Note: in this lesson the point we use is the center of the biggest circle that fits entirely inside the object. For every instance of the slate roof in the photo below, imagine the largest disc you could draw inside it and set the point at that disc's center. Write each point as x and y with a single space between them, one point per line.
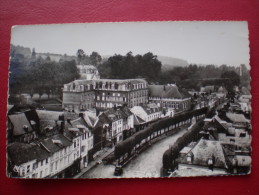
204 150
52 147
240 118
48 115
119 81
163 91
122 81
20 153
118 113
18 121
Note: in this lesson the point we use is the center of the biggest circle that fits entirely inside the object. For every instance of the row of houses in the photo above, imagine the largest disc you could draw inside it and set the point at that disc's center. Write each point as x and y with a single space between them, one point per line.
45 144
225 147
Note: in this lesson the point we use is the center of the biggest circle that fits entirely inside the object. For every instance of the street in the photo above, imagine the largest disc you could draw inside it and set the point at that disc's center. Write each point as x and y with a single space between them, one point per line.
147 164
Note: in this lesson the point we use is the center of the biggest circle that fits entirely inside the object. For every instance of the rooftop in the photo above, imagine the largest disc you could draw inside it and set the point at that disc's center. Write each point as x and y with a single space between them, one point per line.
165 91
239 118
19 121
205 150
20 153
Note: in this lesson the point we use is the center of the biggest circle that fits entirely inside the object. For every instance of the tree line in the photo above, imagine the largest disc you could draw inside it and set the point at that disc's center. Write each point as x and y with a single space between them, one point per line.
40 75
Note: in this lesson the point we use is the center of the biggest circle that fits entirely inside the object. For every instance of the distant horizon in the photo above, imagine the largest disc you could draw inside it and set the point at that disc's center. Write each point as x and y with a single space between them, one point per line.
196 42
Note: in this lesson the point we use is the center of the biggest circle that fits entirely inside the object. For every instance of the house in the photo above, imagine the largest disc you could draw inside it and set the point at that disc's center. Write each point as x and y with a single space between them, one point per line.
80 134
114 125
169 96
147 113
88 72
20 128
205 158
227 134
60 151
238 120
66 143
27 160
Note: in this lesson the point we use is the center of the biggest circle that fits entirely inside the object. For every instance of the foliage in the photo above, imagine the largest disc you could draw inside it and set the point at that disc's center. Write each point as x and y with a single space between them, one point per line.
232 79
172 153
129 66
127 145
40 75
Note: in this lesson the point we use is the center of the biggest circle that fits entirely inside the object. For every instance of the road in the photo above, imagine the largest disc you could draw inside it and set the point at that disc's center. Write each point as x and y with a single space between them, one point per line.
147 164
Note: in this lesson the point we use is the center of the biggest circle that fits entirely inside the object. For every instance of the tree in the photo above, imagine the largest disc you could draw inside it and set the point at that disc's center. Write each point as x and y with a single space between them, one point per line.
231 79
80 55
95 58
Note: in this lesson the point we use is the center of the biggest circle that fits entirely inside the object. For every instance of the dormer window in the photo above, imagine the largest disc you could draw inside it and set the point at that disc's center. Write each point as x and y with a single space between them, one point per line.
210 161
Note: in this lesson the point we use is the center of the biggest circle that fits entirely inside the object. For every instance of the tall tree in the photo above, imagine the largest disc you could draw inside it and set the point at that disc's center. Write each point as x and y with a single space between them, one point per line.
95 58
80 55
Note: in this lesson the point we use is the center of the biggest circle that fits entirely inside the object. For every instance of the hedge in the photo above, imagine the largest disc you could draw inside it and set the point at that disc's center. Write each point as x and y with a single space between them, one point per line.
127 145
181 142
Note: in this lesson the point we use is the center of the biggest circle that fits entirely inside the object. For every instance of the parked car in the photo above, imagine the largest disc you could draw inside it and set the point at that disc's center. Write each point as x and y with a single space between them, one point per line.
118 170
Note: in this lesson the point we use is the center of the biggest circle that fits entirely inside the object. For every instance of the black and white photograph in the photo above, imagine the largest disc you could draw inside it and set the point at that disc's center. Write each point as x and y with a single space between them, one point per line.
129 100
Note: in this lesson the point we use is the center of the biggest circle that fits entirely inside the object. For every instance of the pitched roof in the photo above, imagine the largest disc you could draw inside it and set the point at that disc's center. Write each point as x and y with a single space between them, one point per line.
163 91
138 120
204 150
18 121
50 145
236 117
117 113
48 115
20 153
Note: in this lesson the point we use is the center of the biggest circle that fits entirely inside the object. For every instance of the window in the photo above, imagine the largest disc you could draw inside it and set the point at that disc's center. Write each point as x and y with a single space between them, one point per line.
28 168
74 144
35 165
51 167
41 163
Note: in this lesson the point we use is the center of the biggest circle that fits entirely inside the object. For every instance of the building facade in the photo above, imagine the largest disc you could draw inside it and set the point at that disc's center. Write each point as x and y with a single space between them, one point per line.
88 72
104 93
169 97
78 95
110 93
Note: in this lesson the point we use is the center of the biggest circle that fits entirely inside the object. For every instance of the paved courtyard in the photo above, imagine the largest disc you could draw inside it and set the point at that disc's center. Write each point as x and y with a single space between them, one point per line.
147 164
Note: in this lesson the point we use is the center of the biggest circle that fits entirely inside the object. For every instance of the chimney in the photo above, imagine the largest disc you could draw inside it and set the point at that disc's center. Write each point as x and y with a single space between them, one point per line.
97 112
62 127
81 115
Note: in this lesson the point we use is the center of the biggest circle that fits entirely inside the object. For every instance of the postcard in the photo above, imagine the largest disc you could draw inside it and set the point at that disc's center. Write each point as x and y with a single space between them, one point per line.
129 100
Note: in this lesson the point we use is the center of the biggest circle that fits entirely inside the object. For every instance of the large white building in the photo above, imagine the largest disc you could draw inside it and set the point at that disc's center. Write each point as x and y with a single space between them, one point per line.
88 72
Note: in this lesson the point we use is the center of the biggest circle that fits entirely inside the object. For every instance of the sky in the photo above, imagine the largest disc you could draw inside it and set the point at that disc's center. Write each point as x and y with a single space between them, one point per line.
197 42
